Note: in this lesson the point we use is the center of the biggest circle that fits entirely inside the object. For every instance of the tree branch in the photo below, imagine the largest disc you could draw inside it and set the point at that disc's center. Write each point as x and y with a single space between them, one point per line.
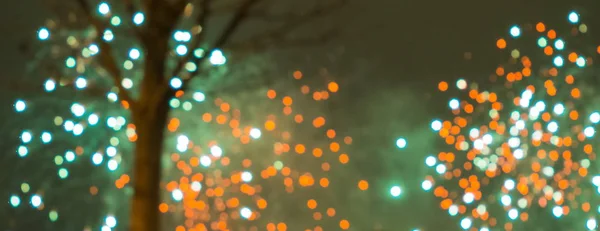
107 59
195 44
231 27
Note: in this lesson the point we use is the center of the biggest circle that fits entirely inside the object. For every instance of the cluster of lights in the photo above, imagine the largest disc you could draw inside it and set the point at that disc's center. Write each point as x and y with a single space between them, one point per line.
536 141
201 167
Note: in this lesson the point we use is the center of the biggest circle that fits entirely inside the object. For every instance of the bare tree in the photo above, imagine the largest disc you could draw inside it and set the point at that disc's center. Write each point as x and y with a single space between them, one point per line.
175 43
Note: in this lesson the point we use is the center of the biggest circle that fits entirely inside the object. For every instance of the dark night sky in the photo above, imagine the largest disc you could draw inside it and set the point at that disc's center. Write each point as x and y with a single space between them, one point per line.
394 43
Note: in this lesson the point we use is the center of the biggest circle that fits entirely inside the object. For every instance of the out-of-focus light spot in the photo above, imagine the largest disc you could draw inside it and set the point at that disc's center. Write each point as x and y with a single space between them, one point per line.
453 210
70 62
80 83
187 106
94 49
557 211
542 42
440 168
111 96
93 119
199 96
278 165
115 21
466 223
110 221
53 216
552 127
77 109
63 173
513 214
20 106
26 137
182 143
395 191
426 185
46 137
49 85
515 31
138 18
558 61
573 17
505 200
177 195
190 66
182 36
255 133
591 224
134 54
589 132
77 129
127 83
112 165
97 158
580 62
217 58
196 186
401 143
174 103
108 35
25 187
205 161
22 151
559 109
509 184
36 201
43 34
70 156
103 8
595 117
583 28
468 198
436 125
216 151
59 160
111 151
430 161
181 50
246 176
454 104
461 84
246 213
176 83
15 201
559 44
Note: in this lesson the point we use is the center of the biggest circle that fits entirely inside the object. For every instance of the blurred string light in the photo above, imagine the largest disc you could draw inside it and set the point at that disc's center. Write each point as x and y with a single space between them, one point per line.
529 132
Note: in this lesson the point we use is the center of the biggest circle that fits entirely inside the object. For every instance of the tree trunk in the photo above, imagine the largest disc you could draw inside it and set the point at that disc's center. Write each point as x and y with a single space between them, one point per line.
150 128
